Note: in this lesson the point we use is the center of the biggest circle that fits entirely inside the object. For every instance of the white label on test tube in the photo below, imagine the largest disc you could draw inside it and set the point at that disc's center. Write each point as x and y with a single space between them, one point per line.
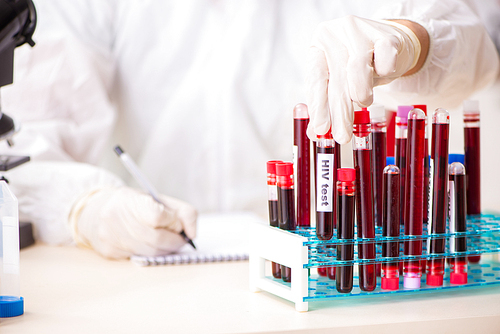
452 203
324 189
431 197
272 192
295 170
10 245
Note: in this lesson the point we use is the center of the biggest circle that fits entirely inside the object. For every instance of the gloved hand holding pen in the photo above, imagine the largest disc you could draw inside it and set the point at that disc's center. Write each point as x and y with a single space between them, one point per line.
348 57
119 222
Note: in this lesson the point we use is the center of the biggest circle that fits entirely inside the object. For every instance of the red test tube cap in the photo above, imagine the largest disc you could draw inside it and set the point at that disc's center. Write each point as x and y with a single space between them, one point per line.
434 280
284 168
346 174
362 117
271 166
327 135
458 278
422 107
390 283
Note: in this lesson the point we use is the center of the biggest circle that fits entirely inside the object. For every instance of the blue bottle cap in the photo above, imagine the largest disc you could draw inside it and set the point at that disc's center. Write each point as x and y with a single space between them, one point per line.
11 306
455 158
389 161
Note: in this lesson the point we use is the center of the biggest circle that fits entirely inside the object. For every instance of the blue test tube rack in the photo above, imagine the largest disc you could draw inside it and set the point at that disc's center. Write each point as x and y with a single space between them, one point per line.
302 251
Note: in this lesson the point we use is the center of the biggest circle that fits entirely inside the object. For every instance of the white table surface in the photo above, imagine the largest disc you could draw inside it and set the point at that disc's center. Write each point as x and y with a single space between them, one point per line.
73 290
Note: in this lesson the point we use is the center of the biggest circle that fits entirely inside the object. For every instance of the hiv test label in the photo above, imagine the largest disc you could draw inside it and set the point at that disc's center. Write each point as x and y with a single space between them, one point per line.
324 182
272 192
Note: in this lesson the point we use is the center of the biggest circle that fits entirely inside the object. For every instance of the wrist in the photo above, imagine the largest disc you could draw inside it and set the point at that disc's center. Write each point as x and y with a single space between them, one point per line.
422 36
74 217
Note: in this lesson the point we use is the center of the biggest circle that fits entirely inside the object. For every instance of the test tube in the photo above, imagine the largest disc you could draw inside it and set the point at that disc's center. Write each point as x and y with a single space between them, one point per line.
327 162
454 157
345 230
322 271
423 107
301 155
390 227
438 195
414 196
286 207
458 222
379 154
401 134
472 150
427 170
362 148
273 205
11 302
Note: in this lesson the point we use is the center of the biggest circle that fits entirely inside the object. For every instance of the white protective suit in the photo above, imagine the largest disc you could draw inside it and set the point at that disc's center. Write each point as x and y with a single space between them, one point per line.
200 93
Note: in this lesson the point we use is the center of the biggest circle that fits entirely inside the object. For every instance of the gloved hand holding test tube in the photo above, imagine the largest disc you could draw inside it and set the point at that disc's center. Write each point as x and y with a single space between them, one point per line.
373 53
144 182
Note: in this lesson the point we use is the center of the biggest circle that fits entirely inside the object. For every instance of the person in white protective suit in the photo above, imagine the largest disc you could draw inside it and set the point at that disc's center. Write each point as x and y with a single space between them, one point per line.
200 94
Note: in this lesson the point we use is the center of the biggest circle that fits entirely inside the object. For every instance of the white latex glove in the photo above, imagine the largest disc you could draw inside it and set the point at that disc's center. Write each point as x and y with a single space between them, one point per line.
348 57
119 222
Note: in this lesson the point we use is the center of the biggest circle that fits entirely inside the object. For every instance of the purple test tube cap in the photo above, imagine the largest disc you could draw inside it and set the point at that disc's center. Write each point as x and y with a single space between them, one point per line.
403 111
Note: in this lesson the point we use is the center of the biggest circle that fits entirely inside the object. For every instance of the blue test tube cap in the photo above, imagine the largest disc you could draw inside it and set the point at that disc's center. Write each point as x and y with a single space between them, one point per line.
455 158
389 161
11 306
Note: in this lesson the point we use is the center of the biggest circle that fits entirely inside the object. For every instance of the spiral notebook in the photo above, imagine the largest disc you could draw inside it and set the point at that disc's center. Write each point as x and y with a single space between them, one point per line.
220 237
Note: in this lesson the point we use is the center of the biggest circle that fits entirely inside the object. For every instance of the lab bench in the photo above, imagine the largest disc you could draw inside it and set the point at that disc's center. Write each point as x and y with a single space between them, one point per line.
73 290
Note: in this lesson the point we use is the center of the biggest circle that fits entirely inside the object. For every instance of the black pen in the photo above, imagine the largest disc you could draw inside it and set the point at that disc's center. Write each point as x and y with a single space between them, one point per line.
144 182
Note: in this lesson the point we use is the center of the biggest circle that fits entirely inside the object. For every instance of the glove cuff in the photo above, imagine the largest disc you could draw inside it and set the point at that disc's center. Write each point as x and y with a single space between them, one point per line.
413 38
74 217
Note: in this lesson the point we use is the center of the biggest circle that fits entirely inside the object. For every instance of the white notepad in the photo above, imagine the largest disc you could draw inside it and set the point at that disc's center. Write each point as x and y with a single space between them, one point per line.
220 237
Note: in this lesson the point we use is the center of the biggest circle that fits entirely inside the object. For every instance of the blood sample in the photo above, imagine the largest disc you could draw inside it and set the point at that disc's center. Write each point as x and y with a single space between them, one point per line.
458 222
400 152
323 271
390 227
438 195
327 162
286 207
273 205
423 107
414 196
472 160
472 156
362 148
427 170
332 271
345 230
379 154
301 154
454 157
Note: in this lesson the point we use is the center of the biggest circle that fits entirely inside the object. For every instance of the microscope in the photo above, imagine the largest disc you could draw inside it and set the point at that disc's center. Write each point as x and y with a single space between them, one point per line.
17 24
